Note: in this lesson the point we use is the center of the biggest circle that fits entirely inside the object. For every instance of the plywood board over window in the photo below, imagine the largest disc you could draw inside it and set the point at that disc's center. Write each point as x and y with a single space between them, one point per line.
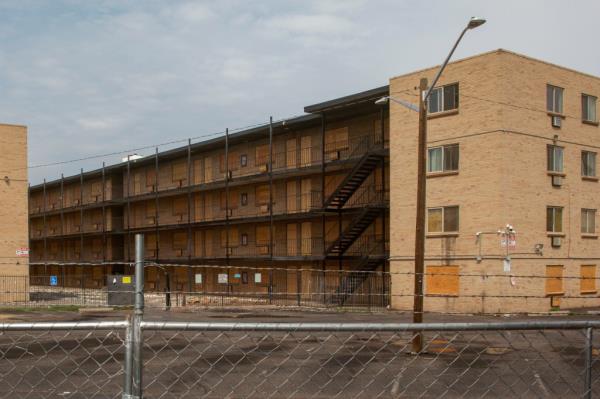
262 155
290 153
442 280
179 171
180 240
197 170
262 235
554 280
234 239
588 279
180 206
150 177
336 140
291 196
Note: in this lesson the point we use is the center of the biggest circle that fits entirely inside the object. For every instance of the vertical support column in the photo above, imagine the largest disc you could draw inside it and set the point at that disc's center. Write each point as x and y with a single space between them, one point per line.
189 221
271 189
45 231
156 205
138 314
104 215
128 209
227 205
323 121
62 226
81 218
587 392
271 210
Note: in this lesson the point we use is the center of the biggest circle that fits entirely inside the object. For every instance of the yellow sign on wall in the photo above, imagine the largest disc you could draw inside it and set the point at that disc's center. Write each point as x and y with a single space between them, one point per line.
126 280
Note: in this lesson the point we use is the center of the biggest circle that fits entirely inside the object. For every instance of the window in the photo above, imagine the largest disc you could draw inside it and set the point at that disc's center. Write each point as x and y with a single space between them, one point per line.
443 158
554 219
555 158
588 221
442 220
554 280
262 155
179 241
262 195
442 280
444 98
243 160
554 99
588 279
244 240
244 199
588 108
588 164
179 170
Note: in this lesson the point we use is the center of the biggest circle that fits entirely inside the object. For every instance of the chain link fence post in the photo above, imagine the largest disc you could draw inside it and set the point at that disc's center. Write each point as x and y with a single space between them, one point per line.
138 314
127 386
587 394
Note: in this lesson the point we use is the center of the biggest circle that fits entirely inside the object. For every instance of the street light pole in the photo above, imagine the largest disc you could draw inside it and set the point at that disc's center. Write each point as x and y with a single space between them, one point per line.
417 342
424 92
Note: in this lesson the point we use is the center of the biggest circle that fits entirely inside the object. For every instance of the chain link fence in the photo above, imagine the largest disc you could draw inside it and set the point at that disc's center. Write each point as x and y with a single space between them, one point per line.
299 360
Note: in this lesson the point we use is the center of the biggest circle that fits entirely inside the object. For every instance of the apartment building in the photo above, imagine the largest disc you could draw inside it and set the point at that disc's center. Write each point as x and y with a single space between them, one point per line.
511 140
307 194
13 213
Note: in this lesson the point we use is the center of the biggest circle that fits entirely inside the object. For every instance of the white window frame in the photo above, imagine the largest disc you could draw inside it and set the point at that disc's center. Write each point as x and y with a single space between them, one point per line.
592 172
588 105
590 216
562 158
554 209
556 103
442 148
443 208
440 99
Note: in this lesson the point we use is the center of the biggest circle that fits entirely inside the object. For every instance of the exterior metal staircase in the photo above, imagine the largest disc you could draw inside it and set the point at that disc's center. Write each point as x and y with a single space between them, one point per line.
352 181
352 281
353 231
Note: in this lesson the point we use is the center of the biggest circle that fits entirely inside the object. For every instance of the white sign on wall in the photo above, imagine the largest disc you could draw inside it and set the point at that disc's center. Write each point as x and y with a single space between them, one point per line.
222 278
22 252
257 278
198 278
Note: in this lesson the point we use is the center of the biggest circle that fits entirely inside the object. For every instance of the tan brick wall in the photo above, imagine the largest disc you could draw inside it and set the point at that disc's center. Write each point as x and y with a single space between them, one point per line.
502 129
14 209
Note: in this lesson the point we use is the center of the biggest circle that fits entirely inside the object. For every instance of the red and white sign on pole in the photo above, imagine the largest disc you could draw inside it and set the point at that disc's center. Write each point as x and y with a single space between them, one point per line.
508 239
22 252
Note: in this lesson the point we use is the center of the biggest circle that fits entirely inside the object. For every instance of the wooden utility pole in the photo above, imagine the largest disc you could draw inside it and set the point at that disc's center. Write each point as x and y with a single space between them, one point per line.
417 341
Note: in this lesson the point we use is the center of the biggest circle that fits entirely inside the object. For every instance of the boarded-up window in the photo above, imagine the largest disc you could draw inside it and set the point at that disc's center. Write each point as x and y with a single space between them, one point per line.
234 239
150 245
336 140
262 235
180 206
151 208
96 188
233 199
208 169
442 280
179 240
554 280
292 239
232 160
262 195
150 177
262 155
197 170
306 245
179 171
291 196
290 153
588 279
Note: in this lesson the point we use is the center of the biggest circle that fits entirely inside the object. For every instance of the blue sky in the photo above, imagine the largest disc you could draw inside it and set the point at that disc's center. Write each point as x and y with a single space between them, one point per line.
95 77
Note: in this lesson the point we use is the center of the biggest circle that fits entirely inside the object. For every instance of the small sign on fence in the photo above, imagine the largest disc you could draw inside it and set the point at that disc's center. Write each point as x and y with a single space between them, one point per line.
222 278
53 280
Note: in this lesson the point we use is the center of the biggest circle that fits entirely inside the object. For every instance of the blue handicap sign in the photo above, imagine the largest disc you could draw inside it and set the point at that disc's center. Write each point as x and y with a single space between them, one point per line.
53 280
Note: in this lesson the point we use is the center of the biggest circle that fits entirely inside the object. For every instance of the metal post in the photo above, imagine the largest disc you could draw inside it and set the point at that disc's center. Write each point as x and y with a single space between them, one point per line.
417 341
137 316
587 394
127 386
45 231
189 211
271 189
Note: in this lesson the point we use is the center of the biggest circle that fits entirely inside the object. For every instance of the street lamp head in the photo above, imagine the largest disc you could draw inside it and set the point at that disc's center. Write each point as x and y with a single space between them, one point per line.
474 22
382 101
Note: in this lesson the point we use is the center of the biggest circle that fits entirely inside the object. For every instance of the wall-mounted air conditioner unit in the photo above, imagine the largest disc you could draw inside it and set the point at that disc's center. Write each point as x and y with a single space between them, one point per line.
556 242
556 121
557 181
